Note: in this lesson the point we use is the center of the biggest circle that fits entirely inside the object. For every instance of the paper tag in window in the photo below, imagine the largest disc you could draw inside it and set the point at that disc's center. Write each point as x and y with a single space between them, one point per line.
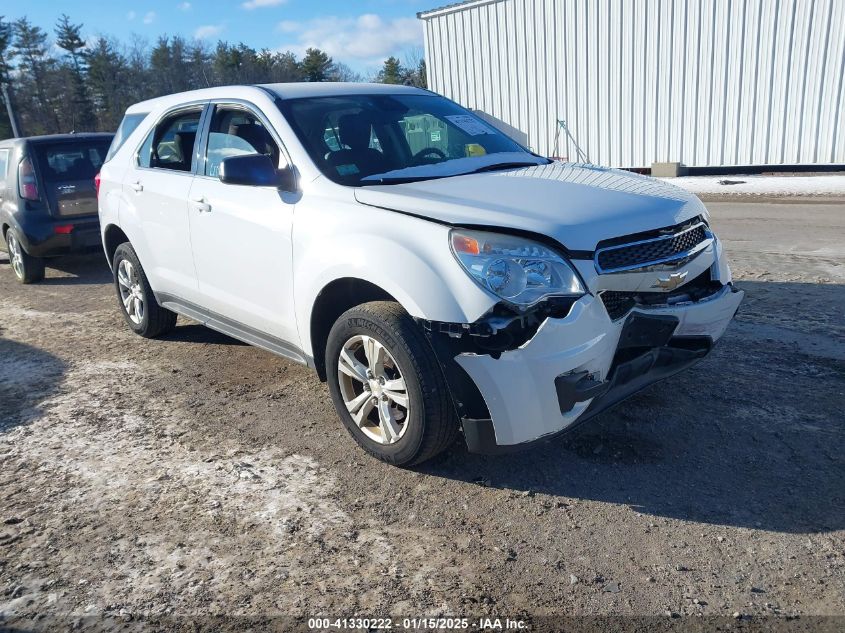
470 125
435 136
347 170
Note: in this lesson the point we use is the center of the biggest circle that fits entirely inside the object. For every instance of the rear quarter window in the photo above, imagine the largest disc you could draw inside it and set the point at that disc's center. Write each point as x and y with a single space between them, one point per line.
127 126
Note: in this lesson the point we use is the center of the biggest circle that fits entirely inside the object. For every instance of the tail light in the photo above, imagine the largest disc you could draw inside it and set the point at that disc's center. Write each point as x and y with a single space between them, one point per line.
97 183
27 184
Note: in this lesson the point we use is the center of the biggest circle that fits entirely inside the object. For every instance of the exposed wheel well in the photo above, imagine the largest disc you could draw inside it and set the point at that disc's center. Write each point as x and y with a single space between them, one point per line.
114 237
335 299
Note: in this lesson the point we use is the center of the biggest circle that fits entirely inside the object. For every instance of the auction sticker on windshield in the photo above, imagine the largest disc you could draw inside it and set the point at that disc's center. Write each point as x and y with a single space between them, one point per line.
470 125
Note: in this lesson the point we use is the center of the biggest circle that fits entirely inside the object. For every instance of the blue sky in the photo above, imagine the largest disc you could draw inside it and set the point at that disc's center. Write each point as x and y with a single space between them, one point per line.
360 33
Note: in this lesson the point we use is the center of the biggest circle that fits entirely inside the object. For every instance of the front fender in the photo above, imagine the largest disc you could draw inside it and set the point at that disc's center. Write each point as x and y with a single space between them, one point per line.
405 256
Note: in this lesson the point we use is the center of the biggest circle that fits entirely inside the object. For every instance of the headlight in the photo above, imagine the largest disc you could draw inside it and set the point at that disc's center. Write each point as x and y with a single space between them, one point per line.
518 270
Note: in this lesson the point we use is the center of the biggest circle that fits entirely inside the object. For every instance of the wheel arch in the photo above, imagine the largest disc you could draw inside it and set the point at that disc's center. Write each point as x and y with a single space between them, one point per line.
333 300
113 236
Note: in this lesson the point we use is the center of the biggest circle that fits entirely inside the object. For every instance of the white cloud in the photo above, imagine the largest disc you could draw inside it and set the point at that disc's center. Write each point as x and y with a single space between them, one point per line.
184 6
150 17
288 26
208 31
131 15
259 4
367 38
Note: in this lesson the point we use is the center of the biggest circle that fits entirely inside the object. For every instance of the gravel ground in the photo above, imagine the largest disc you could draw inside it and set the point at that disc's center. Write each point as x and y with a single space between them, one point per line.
192 477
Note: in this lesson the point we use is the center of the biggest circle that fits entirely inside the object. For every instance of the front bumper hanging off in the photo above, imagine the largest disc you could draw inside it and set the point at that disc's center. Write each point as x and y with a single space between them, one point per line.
578 366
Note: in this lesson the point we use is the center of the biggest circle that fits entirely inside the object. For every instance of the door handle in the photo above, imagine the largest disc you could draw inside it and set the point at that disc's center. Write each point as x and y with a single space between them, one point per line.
137 187
200 204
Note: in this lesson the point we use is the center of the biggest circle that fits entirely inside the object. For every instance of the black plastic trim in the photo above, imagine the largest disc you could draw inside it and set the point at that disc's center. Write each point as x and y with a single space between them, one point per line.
235 329
625 379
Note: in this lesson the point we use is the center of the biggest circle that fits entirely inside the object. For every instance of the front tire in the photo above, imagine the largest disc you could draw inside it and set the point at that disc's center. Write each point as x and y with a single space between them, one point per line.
137 302
387 385
27 269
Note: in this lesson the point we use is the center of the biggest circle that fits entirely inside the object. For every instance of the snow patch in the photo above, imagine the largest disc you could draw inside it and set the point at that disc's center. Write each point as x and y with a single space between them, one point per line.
762 185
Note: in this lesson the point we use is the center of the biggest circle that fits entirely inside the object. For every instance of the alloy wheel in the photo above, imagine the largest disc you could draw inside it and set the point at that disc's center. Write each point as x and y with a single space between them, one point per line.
131 293
373 389
15 255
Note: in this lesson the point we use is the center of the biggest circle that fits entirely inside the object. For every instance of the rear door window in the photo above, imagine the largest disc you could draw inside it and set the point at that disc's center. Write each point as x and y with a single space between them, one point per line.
170 145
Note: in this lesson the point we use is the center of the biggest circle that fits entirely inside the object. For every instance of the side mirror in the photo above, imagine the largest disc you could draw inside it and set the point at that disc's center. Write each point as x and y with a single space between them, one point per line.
256 170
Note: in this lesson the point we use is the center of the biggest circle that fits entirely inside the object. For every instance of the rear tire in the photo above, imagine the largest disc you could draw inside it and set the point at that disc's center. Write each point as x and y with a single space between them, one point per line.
378 358
27 269
138 304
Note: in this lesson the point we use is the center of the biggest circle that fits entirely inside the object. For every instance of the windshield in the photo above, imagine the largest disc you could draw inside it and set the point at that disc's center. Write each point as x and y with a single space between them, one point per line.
382 139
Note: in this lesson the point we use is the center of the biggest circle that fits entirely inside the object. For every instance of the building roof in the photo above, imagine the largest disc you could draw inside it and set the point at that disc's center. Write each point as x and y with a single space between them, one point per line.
451 8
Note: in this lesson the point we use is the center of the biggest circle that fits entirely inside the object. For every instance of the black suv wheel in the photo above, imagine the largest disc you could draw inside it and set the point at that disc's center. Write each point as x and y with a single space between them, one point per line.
27 269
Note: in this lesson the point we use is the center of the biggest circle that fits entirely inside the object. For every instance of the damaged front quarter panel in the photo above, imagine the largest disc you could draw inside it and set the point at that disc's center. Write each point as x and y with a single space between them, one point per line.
474 357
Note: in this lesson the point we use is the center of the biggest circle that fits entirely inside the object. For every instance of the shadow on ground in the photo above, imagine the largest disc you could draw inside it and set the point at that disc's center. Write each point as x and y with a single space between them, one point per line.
28 376
78 270
753 436
196 333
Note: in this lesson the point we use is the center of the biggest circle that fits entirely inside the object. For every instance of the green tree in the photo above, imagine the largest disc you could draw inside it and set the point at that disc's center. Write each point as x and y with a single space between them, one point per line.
30 47
107 75
285 68
391 72
69 39
5 70
316 65
421 75
6 34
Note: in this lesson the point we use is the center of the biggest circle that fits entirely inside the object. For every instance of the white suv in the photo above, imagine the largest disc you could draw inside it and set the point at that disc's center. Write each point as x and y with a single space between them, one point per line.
441 277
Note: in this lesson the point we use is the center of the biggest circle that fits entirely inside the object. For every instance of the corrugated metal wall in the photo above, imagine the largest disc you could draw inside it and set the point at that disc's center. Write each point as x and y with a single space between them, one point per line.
703 82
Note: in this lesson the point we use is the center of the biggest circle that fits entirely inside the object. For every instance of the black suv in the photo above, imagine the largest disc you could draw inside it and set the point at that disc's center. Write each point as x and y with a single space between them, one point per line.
48 198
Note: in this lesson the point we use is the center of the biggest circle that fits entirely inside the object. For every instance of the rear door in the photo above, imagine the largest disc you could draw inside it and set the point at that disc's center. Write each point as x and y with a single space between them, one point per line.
155 202
66 170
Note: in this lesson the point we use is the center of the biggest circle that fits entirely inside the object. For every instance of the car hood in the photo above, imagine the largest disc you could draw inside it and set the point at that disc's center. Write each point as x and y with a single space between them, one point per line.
577 205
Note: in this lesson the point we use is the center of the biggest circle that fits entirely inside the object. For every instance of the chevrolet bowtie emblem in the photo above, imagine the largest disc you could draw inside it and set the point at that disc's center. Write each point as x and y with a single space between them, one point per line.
672 281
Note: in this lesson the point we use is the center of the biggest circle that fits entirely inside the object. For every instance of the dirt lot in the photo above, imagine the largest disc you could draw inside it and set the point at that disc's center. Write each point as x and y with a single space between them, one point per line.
191 477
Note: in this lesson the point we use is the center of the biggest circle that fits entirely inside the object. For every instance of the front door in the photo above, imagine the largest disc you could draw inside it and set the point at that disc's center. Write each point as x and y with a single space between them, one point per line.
241 235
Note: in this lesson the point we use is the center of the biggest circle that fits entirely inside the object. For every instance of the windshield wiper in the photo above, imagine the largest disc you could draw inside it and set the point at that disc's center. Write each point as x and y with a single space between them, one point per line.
498 166
397 180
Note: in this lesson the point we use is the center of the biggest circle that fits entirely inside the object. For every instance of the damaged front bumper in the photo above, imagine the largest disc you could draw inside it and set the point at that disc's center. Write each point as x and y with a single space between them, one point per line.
576 366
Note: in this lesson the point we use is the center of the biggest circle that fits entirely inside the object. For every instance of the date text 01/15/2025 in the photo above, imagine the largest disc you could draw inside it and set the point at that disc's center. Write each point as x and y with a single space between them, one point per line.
418 624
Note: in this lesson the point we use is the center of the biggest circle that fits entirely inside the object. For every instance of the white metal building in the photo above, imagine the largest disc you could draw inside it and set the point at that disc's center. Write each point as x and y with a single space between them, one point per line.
701 82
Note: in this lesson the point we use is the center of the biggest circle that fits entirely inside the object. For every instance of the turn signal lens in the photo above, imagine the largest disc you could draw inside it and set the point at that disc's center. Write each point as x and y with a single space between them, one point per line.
465 244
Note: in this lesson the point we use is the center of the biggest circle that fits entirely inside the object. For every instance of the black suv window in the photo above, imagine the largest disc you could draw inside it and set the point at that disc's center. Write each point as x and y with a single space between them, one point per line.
65 162
171 143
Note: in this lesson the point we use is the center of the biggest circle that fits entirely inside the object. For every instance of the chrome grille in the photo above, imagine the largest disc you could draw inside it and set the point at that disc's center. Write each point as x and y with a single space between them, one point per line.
668 245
